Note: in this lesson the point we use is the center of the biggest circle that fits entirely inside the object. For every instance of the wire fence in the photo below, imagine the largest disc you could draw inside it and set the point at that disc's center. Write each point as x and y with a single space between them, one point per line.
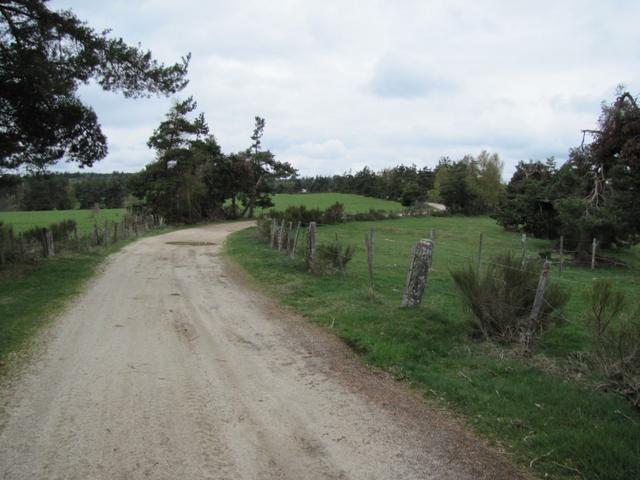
31 246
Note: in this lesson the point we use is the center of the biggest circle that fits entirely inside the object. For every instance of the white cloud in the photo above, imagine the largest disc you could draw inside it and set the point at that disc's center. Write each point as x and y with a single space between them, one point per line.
344 84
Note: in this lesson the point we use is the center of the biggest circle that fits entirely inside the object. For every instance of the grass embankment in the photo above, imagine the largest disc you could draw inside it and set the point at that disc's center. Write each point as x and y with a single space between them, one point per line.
352 203
85 219
563 428
31 295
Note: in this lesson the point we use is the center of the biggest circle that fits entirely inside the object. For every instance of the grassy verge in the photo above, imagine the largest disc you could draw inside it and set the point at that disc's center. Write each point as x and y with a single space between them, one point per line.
30 295
85 219
562 428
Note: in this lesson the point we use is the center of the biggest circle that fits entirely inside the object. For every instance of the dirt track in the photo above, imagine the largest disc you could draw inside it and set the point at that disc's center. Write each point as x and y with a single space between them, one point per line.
169 367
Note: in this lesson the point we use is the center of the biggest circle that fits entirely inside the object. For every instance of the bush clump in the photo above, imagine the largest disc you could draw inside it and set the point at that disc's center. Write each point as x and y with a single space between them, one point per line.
332 257
614 331
501 298
333 214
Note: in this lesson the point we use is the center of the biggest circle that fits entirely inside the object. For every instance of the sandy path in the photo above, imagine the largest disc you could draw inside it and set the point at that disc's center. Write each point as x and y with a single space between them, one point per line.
167 367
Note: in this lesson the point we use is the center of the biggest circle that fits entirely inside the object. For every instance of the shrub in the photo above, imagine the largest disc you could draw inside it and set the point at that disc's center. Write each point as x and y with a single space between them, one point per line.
614 331
332 257
372 214
501 297
62 231
333 214
263 228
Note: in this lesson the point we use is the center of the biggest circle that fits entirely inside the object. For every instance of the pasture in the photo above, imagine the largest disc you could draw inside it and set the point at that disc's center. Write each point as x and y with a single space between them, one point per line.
558 424
352 203
85 219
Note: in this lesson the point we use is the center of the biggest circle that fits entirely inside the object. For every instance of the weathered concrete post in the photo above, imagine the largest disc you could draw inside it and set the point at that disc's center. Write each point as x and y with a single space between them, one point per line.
311 245
417 275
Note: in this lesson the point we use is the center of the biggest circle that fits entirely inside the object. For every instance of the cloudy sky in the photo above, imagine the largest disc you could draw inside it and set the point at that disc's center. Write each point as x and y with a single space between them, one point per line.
344 84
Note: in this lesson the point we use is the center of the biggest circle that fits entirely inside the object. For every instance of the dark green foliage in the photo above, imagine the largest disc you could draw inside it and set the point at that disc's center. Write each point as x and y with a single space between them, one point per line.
527 203
300 214
178 184
500 298
455 192
63 231
333 214
614 330
191 178
47 192
44 56
332 257
594 195
407 185
372 214
263 228
105 191
470 186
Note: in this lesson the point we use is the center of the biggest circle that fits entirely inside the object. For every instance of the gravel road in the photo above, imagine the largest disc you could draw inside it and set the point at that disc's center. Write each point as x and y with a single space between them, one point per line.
169 366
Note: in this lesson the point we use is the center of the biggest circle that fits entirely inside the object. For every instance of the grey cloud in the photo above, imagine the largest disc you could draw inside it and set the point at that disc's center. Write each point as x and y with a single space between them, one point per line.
397 76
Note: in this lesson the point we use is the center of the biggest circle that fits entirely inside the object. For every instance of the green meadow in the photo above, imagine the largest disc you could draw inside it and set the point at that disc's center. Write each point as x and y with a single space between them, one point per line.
352 203
564 428
85 219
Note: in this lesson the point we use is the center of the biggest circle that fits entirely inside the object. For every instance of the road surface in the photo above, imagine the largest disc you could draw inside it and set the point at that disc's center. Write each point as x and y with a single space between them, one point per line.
169 366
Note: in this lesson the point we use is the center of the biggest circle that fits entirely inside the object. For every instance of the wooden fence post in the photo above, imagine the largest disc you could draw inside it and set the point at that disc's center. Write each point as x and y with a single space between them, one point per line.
594 245
47 243
2 245
523 240
274 231
295 241
479 259
561 253
23 250
289 239
311 245
115 232
339 255
106 233
537 304
369 242
281 233
417 275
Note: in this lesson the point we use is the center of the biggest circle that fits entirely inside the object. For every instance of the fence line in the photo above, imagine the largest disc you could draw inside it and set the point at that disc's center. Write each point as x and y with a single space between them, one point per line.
42 242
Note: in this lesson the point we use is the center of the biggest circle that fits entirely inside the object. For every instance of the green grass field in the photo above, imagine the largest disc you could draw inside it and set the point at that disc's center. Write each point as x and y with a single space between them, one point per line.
352 203
568 428
22 221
